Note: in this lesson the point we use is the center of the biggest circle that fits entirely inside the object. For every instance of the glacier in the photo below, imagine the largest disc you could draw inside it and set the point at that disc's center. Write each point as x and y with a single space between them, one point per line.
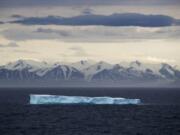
58 99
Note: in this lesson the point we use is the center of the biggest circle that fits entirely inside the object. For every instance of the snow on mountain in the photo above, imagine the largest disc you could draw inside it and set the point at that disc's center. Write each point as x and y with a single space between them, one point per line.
29 64
138 71
63 72
119 73
141 66
19 65
81 65
89 71
168 71
136 65
39 68
94 69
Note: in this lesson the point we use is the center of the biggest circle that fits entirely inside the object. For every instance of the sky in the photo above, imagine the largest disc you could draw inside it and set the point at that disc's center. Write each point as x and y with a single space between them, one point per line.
101 30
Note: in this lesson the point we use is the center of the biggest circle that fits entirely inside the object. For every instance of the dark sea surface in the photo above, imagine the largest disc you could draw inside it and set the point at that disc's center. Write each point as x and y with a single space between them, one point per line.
159 114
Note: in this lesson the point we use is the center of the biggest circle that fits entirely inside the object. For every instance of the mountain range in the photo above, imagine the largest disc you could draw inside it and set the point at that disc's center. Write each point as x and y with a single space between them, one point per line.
90 72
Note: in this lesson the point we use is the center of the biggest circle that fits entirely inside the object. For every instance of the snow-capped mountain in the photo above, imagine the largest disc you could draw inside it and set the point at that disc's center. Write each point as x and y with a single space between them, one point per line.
119 72
143 66
89 71
36 67
63 72
83 64
28 69
28 64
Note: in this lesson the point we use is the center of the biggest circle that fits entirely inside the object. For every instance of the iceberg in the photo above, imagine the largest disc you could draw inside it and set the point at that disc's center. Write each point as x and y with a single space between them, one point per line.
57 99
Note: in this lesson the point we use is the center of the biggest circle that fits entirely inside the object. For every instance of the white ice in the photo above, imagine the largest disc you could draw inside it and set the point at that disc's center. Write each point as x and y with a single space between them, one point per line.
56 99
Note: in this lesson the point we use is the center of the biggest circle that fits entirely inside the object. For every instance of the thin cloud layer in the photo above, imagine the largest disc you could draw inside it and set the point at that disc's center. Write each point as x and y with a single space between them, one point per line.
78 51
124 19
91 33
9 45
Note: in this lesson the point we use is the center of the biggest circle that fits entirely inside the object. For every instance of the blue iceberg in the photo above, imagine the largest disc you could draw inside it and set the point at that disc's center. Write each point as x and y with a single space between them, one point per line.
56 99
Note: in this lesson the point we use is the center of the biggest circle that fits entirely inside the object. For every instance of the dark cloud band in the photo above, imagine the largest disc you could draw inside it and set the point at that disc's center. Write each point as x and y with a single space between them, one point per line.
28 3
125 19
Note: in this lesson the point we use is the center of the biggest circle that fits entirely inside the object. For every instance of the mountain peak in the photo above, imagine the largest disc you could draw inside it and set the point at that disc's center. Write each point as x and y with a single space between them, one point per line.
22 64
135 63
82 64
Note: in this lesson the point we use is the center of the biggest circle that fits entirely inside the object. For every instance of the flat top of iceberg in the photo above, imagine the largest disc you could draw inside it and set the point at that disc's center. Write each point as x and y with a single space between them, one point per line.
59 99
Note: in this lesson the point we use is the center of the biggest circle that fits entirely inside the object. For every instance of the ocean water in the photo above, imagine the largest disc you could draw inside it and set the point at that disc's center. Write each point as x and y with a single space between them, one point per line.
158 115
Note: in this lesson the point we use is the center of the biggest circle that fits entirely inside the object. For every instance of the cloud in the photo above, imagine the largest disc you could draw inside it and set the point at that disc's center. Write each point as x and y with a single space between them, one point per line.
29 3
17 16
50 31
78 51
159 60
123 19
25 51
91 33
11 44
23 34
87 11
